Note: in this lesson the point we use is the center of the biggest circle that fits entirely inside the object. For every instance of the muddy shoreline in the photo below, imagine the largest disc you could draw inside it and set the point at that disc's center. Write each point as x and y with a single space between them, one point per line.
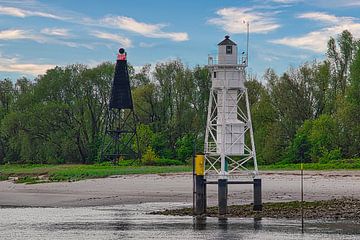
334 209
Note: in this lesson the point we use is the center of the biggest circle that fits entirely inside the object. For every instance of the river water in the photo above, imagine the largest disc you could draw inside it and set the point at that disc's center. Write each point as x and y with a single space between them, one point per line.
133 222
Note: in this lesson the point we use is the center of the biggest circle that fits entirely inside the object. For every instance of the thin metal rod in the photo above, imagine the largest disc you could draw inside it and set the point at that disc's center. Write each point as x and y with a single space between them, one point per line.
193 173
247 43
302 197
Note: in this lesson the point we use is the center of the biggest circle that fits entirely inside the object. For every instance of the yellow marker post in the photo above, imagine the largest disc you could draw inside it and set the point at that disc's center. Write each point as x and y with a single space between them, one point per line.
199 165
200 185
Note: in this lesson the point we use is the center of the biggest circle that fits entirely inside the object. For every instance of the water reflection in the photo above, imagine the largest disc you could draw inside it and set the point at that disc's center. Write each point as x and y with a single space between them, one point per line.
257 223
223 223
133 222
199 223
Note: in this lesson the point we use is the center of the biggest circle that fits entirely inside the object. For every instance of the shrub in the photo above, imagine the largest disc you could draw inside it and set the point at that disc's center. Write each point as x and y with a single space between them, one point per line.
331 155
149 157
167 162
185 147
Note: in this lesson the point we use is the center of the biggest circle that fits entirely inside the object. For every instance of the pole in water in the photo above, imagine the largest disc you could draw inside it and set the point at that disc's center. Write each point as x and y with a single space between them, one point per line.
200 187
193 178
302 197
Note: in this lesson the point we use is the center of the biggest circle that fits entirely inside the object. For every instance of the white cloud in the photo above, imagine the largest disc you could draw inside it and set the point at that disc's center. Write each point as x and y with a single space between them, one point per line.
146 45
14 34
18 12
321 3
324 17
336 3
316 41
348 3
269 58
125 42
20 34
117 22
285 1
73 44
232 20
13 65
60 32
145 29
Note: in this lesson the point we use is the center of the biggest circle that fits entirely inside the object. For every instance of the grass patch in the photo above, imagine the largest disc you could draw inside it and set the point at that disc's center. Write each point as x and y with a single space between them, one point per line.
3 177
75 172
30 180
29 173
93 171
344 164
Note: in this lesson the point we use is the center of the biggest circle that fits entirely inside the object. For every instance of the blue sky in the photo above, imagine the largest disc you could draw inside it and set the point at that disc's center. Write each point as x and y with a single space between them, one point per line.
36 34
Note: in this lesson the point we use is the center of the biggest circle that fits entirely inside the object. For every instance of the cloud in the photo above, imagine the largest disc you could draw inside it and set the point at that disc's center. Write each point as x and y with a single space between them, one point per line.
18 12
232 20
20 34
144 29
286 1
324 17
336 3
72 44
316 41
13 65
146 45
117 22
322 3
347 3
15 34
59 32
125 42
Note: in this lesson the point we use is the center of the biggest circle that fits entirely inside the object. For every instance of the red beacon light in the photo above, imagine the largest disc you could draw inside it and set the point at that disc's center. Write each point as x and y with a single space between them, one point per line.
121 55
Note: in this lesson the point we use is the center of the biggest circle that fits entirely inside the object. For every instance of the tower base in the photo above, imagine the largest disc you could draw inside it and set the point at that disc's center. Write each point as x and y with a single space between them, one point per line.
120 140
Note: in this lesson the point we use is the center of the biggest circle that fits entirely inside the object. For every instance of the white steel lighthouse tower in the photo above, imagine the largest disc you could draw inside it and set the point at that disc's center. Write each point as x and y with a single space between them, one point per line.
229 141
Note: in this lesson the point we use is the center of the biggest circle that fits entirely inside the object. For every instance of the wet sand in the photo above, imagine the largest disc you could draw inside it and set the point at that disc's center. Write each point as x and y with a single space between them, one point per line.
134 189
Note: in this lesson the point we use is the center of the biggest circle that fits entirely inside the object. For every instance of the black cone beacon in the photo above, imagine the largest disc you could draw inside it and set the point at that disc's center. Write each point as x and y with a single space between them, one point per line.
120 120
120 92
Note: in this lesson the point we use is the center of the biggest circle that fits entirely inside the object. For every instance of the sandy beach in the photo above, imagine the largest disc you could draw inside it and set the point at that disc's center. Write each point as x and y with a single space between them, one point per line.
133 189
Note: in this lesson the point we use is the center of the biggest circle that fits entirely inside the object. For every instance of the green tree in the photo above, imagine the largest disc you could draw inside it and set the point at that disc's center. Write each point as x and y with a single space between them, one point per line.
267 133
348 113
315 141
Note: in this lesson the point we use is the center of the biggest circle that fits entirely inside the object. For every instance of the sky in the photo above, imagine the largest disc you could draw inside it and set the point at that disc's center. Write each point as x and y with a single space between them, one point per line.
36 35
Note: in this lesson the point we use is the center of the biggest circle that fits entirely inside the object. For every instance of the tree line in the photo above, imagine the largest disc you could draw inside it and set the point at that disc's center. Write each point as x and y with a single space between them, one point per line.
310 113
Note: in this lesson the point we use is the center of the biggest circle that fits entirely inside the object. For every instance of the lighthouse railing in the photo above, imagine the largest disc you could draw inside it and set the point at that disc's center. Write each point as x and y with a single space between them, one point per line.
213 60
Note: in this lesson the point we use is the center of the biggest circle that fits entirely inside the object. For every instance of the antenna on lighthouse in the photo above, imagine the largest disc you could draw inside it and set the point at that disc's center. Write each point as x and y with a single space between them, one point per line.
247 42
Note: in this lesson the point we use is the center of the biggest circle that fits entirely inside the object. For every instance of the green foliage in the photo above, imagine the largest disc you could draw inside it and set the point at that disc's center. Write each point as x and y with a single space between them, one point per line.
268 133
167 162
328 156
185 147
315 141
162 146
330 165
348 113
79 172
149 157
145 136
299 150
30 173
310 113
